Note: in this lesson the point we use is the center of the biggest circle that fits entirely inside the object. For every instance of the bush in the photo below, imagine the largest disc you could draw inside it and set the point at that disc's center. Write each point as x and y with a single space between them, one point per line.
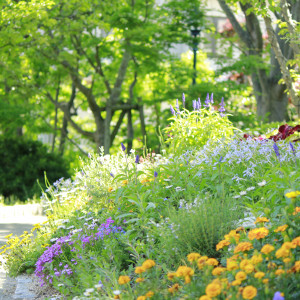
22 163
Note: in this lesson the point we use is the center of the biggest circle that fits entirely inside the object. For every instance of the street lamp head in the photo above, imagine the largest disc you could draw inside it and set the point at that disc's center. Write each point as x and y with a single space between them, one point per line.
195 32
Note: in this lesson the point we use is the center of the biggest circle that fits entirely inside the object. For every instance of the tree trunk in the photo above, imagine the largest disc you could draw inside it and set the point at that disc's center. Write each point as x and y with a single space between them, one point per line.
130 132
63 136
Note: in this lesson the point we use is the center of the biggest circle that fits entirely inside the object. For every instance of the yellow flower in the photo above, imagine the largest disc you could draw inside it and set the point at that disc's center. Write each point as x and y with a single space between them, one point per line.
286 260
183 271
266 249
259 275
139 270
46 245
218 271
256 259
174 288
265 281
110 189
8 236
141 298
296 241
149 294
148 264
124 182
296 267
241 247
296 211
187 279
282 252
193 256
249 292
138 280
212 262
222 244
201 262
123 279
240 276
279 272
204 297
236 283
261 220
232 265
3 247
281 228
171 276
232 235
292 194
213 290
288 245
249 268
244 263
258 233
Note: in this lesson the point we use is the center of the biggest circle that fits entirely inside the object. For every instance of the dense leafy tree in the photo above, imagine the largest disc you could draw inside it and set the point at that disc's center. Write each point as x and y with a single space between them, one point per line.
269 91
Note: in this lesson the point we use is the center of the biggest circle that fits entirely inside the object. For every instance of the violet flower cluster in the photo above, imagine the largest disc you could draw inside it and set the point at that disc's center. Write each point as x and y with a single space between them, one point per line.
89 234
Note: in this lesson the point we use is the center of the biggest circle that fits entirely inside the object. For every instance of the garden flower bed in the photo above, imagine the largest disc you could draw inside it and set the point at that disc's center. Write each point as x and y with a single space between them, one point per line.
214 216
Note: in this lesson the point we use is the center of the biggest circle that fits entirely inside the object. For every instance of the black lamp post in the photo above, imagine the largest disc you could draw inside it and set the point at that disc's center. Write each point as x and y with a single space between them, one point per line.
195 32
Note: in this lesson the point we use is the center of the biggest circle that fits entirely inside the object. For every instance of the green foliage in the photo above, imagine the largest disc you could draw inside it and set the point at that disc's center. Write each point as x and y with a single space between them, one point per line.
191 130
23 162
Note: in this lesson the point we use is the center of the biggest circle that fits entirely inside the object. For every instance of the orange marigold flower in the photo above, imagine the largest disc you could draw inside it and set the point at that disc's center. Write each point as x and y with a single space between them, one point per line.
171 276
240 276
218 271
148 264
258 233
286 260
124 182
123 279
265 281
271 265
139 270
296 241
204 297
193 256
138 280
261 220
279 272
222 244
213 290
266 249
281 228
183 271
212 262
259 275
256 259
187 279
110 189
249 292
149 294
236 283
141 298
282 252
241 247
174 288
240 229
232 265
244 263
296 267
288 245
232 235
296 211
249 268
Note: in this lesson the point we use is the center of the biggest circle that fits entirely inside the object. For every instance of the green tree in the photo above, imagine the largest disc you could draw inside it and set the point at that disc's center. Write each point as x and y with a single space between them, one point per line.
270 93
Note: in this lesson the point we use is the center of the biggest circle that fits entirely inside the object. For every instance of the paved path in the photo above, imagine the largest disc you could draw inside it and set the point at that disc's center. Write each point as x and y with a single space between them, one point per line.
15 225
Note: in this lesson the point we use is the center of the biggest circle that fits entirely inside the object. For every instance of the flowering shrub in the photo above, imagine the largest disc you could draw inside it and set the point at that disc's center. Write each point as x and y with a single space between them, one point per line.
192 130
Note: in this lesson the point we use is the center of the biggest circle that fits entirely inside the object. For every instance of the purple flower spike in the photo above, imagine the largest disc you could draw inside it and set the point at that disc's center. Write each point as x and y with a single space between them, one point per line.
177 104
172 110
155 174
112 175
277 296
293 149
207 101
222 109
194 104
276 150
199 103
212 98
123 147
183 100
221 158
137 159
